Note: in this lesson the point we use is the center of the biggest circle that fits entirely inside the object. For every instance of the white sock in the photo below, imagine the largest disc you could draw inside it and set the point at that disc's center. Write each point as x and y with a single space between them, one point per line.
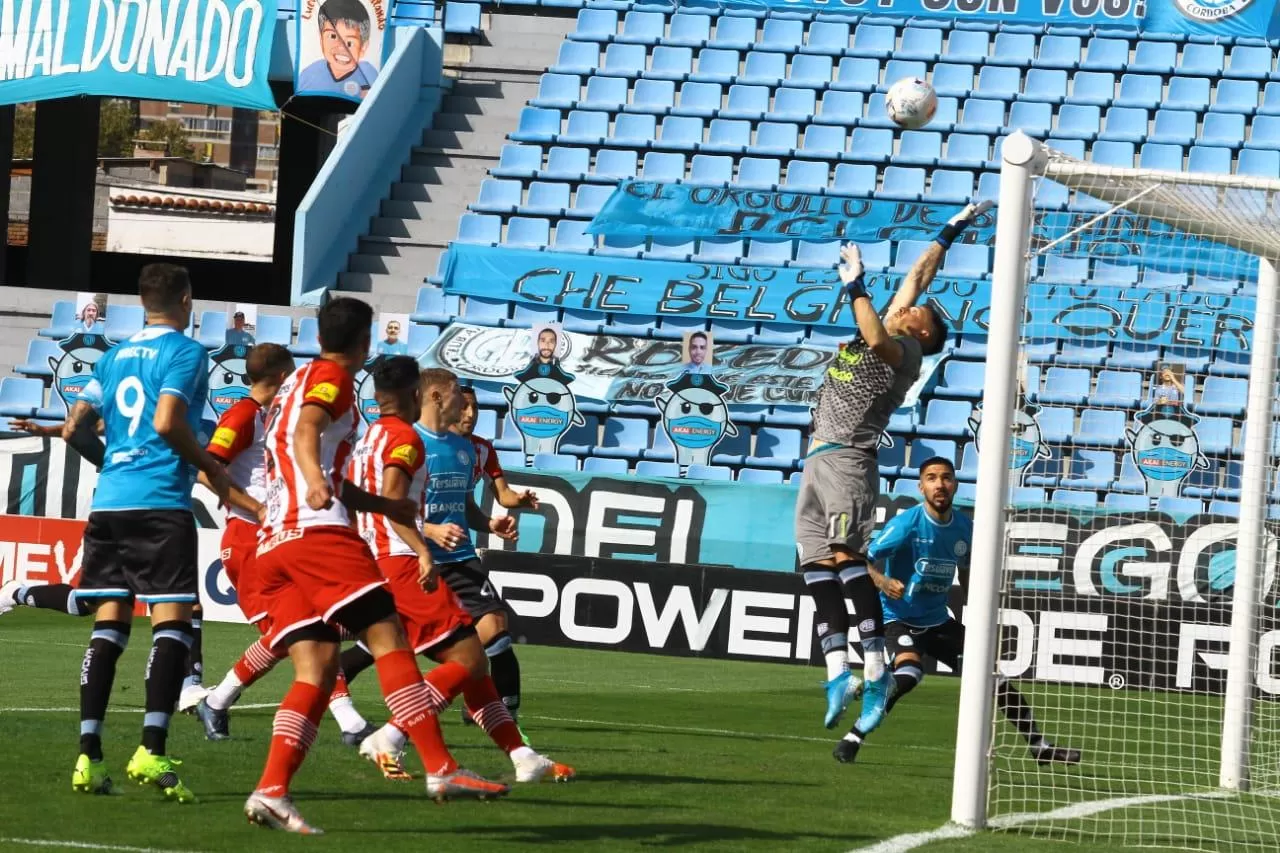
394 738
837 663
227 693
872 666
349 719
522 752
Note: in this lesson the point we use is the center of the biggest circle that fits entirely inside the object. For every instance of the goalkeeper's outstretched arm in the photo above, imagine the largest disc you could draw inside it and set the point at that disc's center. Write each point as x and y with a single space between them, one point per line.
925 269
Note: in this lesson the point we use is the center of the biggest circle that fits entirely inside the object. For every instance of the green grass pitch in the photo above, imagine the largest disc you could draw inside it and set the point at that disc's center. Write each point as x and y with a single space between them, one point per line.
672 754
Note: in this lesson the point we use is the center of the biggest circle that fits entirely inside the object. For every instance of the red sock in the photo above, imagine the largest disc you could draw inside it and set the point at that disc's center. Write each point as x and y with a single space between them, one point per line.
291 736
340 690
257 661
490 714
446 682
410 701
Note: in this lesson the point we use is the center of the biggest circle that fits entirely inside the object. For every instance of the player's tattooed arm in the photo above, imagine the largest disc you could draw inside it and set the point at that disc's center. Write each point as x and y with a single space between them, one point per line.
357 499
312 421
891 587
870 326
502 526
170 423
395 487
509 498
236 498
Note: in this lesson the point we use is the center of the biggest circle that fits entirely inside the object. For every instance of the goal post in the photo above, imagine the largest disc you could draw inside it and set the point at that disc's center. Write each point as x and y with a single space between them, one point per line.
1211 763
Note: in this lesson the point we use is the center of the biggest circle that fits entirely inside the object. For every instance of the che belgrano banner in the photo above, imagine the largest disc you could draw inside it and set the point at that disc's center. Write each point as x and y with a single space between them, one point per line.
200 51
341 45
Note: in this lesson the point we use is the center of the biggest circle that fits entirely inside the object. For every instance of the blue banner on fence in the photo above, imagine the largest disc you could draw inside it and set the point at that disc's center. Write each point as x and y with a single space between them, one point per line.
200 51
340 47
814 297
687 211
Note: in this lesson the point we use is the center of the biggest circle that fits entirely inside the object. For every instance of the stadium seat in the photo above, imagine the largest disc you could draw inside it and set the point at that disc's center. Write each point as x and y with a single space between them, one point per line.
670 63
945 418
1228 508
650 468
710 472
807 176
915 146
1222 395
1067 497
1141 91
1178 506
123 322
479 228
873 40
20 397
746 102
831 38
778 138
642 28
982 116
1073 352
512 460
1092 87
920 43
613 165
498 196
1091 469
1065 385
62 321
555 462
998 82
1250 62
1127 502
768 477
274 329
571 236
952 79
1057 424
1101 428
697 99
792 104
729 135
213 329
1175 127
857 74
1153 57
1235 96
577 58
1206 158
781 34
1106 54
776 447
1155 155
1034 119
967 46
605 466
962 379
1011 48
733 449
39 352
1026 495
624 437
734 32
1205 60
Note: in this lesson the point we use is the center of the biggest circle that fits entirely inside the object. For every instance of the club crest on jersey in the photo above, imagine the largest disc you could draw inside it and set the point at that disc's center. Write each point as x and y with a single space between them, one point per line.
694 417
228 378
73 370
961 548
463 457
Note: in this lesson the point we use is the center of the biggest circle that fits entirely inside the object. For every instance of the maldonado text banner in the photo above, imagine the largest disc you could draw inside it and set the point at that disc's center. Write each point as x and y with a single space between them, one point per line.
200 51
805 296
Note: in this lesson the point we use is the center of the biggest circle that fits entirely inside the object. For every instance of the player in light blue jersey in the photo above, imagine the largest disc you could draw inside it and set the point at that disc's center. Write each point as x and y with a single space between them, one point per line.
916 559
140 538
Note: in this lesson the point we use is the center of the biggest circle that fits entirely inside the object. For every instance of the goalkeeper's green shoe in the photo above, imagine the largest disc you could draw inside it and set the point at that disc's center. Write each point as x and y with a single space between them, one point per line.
90 777
147 769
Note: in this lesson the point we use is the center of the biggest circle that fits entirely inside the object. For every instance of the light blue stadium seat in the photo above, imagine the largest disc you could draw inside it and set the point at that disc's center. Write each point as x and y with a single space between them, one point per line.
898 69
422 337
688 30
1101 428
1026 495
586 127
1110 152
968 470
969 46
1230 488
518 161
840 108
763 68
768 253
1154 57
498 195
634 129
671 250
1126 502
604 93
485 312
652 96
623 60
710 472
39 352
1144 91
528 316
577 58
1222 395
981 116
732 332
734 32
1228 508
915 146
20 397
624 437
730 135
537 125
823 140
650 468
670 63
828 37
683 133
571 236
921 43
857 74
715 65
1065 385
558 91
963 379
1174 127
123 321
62 321
945 418
760 476
1124 124
1002 83
581 440
528 232
1205 158
1264 132
1092 87
906 252
854 179
782 35
698 99
779 138
595 25
952 79
604 466
891 459
817 255
790 104
906 486
710 168
1106 54
1262 164
555 462
1186 93
565 164
658 166
1045 85
1067 497
274 329
807 175
642 28
432 306
873 40
1250 62
732 449
1091 469
1058 52
1117 389
903 183
1059 268
586 322
1156 155
925 448
1203 60
950 186
1235 96
967 149
971 260
719 251
1010 48
213 329
746 102
512 460
1179 506
56 410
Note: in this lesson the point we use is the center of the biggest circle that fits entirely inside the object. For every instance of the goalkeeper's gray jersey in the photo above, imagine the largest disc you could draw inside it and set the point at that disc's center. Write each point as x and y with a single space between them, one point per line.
860 392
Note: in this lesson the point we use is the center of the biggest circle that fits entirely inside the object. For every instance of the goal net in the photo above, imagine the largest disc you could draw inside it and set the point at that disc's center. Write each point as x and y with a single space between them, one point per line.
1128 502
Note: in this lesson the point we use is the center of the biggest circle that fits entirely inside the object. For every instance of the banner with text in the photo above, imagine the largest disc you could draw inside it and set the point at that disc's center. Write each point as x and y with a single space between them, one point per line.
200 51
341 45
1221 18
815 297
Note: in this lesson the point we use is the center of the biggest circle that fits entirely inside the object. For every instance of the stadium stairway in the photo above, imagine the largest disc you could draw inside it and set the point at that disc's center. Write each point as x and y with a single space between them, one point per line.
494 78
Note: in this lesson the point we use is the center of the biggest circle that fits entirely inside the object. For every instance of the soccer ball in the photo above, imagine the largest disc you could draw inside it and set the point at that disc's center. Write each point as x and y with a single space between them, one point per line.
911 103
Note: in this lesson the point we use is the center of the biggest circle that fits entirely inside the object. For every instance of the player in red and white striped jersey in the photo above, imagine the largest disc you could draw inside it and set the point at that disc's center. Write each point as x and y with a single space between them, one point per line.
391 461
318 573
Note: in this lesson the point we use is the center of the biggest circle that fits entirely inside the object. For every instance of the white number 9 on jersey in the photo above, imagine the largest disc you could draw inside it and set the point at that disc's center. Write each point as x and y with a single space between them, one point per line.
131 400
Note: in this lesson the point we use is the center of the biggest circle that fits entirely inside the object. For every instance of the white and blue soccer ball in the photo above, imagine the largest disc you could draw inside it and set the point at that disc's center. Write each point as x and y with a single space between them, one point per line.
911 103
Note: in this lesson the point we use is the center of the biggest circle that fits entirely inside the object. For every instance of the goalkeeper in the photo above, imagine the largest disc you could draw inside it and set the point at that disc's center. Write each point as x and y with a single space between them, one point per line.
835 510
915 560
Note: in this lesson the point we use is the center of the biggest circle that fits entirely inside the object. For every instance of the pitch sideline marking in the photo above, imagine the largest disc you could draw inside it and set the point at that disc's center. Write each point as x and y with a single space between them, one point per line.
949 831
82 845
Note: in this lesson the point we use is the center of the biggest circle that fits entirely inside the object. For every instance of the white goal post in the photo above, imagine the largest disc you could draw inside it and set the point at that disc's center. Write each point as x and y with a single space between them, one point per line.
1200 206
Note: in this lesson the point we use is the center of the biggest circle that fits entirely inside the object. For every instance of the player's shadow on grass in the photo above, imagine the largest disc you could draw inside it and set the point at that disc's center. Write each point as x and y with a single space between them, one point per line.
677 779
653 834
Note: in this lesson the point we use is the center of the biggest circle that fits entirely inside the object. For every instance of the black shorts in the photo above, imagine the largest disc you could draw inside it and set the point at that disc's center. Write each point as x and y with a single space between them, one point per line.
150 553
470 582
944 643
